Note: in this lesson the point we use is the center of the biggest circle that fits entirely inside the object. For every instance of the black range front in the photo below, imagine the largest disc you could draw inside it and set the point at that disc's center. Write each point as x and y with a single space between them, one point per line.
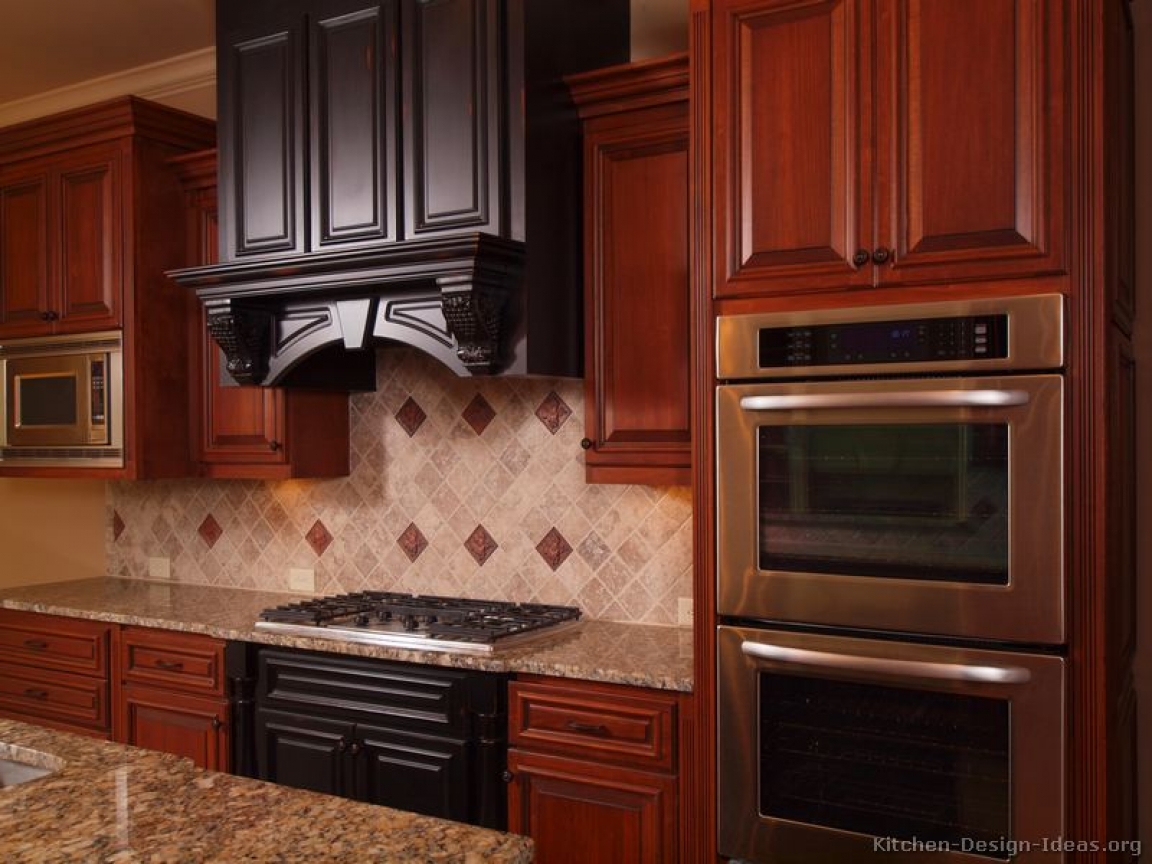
427 739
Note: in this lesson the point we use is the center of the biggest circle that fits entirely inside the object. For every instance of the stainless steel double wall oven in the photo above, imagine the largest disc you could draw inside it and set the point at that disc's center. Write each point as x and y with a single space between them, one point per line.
891 581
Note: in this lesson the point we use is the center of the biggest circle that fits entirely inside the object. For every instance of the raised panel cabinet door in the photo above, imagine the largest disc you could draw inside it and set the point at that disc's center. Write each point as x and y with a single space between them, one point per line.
354 94
24 258
577 812
412 771
90 248
261 139
453 117
791 159
303 751
637 370
190 726
971 118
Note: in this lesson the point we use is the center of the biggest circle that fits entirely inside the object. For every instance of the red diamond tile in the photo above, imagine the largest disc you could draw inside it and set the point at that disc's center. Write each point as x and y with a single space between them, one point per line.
117 525
318 537
479 414
553 411
411 416
412 541
480 544
554 549
210 530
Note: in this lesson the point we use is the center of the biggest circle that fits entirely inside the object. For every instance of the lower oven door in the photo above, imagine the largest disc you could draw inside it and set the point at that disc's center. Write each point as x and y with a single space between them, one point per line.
834 749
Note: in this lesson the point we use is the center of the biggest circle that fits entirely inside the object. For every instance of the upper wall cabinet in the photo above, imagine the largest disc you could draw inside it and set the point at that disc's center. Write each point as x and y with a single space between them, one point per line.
887 142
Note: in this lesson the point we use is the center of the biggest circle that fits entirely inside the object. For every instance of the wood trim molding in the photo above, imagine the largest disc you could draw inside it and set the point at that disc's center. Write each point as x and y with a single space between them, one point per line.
160 80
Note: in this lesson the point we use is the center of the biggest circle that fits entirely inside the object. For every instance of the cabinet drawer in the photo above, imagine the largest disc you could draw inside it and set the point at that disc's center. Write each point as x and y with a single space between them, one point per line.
51 642
72 699
608 724
176 661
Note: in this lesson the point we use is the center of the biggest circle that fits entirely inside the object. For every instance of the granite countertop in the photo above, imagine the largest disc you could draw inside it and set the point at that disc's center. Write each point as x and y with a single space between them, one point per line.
641 655
113 803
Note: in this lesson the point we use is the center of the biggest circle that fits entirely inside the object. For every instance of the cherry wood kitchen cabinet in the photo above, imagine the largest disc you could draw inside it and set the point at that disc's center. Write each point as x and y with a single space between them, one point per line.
55 672
173 695
244 431
90 219
594 770
636 363
849 152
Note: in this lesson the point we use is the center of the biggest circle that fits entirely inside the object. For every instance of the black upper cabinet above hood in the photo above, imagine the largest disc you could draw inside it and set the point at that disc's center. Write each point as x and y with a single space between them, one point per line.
406 170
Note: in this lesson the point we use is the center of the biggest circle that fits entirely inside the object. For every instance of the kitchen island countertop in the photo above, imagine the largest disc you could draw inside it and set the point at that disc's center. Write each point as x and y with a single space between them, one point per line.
113 803
641 655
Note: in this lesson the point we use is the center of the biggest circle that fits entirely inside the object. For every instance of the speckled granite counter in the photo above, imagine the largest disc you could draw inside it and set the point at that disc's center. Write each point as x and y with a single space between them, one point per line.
111 803
637 654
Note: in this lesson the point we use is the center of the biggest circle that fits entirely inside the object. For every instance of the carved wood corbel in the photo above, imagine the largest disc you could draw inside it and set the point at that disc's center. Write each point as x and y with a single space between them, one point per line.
244 335
474 311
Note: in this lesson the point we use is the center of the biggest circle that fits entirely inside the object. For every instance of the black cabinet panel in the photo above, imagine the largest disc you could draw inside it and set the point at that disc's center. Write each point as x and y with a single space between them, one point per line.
423 773
354 93
261 148
452 153
303 751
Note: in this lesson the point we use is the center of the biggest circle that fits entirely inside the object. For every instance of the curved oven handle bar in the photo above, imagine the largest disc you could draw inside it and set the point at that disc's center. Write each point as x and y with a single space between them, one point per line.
887 667
895 399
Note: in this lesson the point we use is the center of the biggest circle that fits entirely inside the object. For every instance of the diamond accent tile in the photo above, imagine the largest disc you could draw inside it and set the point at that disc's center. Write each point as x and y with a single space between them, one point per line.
553 411
480 545
210 530
412 541
117 525
411 416
554 549
318 537
479 414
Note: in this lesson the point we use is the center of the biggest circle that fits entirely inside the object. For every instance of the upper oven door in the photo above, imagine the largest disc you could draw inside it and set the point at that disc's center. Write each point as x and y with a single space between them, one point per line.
929 505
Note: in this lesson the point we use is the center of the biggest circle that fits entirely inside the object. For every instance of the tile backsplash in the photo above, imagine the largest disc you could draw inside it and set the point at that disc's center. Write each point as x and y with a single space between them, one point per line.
463 486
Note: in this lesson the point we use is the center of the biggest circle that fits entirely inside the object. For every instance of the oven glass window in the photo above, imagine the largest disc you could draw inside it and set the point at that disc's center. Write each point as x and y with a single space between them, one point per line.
47 400
885 761
896 501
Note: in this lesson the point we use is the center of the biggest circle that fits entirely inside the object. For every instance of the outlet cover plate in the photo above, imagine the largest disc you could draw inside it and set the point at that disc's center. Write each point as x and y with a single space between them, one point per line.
302 579
159 569
684 611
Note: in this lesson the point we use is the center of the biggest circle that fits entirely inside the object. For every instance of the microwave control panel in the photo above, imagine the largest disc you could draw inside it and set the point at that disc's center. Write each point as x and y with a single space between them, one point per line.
98 415
976 337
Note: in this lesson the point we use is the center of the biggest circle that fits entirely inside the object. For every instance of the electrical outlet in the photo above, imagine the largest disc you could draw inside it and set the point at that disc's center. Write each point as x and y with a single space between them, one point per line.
684 611
301 579
159 569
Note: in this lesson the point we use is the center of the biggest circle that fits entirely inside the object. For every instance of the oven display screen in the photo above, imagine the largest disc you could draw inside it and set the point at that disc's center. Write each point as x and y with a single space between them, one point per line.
912 501
45 401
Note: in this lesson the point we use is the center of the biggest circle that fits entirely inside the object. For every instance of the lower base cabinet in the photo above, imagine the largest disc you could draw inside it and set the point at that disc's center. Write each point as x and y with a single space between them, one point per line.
577 812
593 771
189 726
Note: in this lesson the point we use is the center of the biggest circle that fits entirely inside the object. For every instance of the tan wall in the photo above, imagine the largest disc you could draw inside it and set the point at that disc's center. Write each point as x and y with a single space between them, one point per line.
50 530
659 27
1142 14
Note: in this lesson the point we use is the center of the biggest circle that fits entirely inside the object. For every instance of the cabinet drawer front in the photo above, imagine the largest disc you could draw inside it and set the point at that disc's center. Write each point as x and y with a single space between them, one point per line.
595 723
54 696
419 697
178 661
49 642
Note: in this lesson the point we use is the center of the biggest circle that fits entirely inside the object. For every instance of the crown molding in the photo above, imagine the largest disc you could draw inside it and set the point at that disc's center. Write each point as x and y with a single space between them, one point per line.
159 80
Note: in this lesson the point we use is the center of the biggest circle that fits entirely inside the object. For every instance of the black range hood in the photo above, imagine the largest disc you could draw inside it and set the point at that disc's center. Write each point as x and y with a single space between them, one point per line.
406 170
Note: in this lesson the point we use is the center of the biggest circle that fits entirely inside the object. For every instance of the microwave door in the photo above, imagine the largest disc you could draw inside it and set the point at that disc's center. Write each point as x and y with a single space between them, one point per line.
49 401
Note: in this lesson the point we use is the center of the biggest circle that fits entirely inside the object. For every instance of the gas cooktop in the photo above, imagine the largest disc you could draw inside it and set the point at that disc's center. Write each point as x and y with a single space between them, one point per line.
420 623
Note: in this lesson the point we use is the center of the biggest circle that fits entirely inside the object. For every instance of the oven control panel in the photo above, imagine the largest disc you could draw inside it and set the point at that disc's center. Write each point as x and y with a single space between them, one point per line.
921 340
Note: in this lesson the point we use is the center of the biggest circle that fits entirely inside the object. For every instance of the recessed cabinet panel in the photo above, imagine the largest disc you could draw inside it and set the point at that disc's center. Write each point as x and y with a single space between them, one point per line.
23 253
424 773
187 726
453 144
260 143
354 94
302 751
90 248
967 162
789 178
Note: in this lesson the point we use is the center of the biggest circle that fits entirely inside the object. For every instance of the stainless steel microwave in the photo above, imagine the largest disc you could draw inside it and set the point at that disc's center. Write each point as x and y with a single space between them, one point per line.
63 401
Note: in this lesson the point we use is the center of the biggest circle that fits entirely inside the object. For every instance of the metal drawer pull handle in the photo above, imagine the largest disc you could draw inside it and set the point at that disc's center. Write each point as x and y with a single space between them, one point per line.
36 694
895 399
588 728
169 664
888 667
36 644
